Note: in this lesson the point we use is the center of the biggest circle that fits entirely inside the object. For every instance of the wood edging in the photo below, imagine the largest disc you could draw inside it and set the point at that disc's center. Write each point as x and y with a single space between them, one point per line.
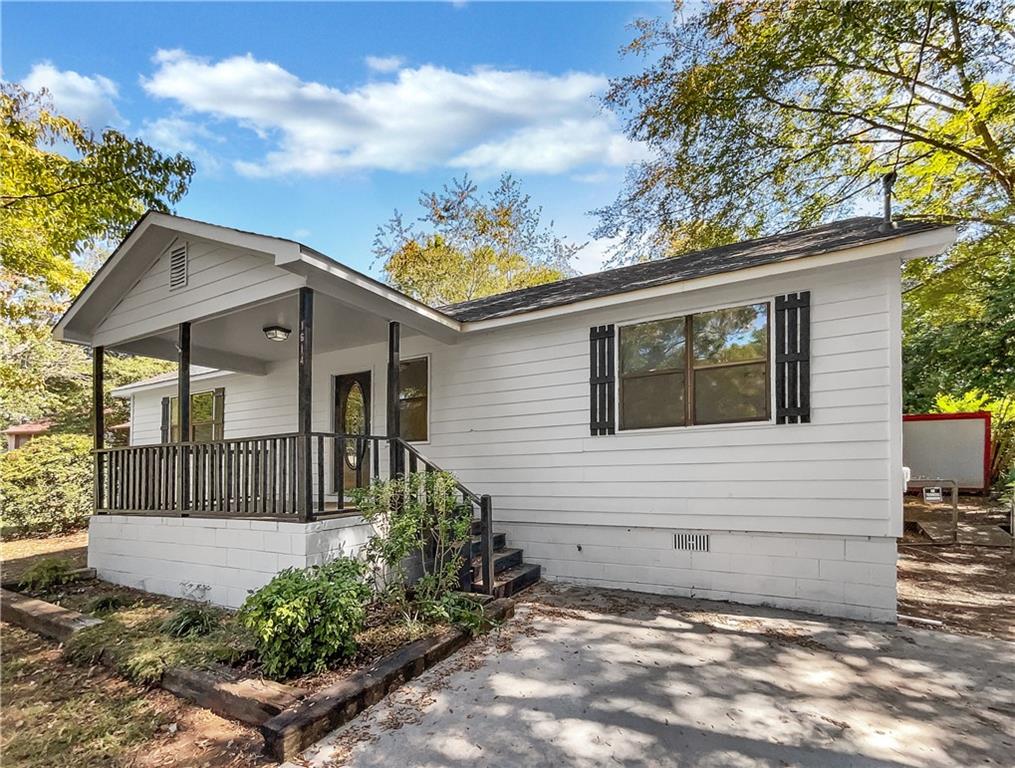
290 732
41 617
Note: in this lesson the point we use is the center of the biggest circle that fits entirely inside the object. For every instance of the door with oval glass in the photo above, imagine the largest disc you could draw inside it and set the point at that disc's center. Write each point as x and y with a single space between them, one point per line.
352 417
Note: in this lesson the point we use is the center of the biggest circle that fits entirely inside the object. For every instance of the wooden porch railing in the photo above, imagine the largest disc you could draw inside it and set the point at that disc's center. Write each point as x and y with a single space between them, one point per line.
295 476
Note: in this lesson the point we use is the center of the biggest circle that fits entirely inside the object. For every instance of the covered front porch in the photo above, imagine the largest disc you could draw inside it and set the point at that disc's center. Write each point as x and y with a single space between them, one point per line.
266 311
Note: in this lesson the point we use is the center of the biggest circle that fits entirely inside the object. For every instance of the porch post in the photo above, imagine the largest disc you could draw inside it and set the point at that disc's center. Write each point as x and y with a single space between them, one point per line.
99 425
183 408
305 359
394 417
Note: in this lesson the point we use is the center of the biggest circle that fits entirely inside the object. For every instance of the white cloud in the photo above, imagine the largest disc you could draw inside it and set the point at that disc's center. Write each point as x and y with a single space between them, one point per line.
485 120
384 63
90 100
176 134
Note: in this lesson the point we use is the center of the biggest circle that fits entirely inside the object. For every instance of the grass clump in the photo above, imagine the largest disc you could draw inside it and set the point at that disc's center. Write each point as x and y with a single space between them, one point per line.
100 605
192 621
46 574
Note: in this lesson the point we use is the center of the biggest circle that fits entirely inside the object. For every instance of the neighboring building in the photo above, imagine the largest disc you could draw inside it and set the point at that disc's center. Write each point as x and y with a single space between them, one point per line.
19 434
725 424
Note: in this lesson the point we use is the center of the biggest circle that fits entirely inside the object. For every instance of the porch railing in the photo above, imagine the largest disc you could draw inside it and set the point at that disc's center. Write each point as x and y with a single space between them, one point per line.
293 476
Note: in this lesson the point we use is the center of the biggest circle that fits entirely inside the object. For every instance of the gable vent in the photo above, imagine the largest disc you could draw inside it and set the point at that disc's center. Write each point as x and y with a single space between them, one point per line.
691 542
178 267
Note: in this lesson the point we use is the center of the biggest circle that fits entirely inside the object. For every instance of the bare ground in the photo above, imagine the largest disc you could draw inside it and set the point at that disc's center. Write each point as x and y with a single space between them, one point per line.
17 555
969 589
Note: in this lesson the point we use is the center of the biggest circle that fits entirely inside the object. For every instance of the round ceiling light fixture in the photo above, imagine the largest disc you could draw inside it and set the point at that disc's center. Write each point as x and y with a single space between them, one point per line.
276 333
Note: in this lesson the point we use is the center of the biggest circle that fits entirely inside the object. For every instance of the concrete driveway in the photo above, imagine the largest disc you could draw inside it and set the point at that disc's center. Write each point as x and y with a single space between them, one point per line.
602 678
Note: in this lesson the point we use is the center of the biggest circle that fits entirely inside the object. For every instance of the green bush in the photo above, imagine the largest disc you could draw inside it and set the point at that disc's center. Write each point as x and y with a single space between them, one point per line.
304 619
46 486
45 574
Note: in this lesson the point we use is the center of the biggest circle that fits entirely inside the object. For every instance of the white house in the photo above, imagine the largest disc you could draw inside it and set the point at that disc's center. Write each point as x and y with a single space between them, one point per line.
725 424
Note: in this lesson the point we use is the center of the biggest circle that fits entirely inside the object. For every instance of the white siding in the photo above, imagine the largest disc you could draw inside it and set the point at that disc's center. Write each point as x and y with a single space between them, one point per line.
217 274
509 415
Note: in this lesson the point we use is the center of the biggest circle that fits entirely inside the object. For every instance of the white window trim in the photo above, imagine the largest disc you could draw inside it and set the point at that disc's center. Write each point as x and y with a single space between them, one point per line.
770 300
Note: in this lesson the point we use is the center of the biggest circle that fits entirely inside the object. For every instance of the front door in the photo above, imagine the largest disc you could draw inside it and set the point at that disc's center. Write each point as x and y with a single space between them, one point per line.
352 417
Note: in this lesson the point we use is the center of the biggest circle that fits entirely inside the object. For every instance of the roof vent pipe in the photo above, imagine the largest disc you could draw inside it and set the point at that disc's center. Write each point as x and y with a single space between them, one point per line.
887 182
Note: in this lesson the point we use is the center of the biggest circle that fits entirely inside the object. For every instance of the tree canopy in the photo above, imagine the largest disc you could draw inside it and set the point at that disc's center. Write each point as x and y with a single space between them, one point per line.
65 191
466 245
64 194
769 115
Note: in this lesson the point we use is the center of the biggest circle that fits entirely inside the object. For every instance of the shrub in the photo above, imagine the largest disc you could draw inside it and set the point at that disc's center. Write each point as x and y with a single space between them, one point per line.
46 574
46 486
304 619
420 516
191 621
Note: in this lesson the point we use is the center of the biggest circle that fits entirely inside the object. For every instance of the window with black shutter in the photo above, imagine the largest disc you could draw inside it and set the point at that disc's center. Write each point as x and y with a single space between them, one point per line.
207 417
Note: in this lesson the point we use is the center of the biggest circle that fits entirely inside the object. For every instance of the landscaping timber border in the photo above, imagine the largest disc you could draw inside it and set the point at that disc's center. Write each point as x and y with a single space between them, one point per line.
292 731
41 617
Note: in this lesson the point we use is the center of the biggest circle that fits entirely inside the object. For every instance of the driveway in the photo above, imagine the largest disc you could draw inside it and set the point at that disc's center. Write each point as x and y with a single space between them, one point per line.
587 677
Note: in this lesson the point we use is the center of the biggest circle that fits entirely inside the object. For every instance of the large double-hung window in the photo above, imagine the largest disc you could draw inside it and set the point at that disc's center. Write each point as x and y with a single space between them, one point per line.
705 368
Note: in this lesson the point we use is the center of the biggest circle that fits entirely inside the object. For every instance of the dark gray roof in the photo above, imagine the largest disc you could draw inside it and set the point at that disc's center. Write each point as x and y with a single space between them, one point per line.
713 261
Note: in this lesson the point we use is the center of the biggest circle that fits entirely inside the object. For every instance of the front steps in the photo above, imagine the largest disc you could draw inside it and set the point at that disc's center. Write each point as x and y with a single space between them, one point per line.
511 573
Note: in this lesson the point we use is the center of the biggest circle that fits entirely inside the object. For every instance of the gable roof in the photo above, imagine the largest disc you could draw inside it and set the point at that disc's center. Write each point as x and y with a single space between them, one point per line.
728 258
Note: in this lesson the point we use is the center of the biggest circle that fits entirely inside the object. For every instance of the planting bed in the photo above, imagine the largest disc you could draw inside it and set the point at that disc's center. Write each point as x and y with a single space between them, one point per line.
123 629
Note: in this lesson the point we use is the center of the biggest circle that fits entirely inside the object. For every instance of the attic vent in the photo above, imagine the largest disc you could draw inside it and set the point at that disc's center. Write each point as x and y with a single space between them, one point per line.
691 542
178 267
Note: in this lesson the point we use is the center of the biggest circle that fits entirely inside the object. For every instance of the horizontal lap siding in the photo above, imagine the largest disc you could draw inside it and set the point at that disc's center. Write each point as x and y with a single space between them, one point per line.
509 414
217 275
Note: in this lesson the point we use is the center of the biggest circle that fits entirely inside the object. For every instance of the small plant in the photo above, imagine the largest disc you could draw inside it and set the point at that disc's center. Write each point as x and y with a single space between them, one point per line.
103 604
191 621
417 518
304 619
46 574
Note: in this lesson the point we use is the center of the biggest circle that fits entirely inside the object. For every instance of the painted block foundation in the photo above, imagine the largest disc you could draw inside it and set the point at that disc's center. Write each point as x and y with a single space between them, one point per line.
853 577
217 560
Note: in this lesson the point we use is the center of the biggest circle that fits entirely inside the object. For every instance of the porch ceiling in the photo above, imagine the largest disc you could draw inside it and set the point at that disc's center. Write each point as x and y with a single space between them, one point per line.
236 341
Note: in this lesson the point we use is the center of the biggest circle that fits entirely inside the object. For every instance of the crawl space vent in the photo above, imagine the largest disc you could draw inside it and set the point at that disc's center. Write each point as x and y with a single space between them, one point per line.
691 542
178 267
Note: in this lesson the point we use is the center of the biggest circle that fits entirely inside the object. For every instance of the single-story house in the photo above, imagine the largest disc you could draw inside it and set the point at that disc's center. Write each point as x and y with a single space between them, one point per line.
725 424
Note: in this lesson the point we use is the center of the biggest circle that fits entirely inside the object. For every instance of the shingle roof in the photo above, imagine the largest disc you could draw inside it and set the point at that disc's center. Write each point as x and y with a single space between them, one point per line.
727 258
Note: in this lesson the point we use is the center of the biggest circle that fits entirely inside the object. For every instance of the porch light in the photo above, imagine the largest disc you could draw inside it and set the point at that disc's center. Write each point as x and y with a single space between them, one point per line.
276 333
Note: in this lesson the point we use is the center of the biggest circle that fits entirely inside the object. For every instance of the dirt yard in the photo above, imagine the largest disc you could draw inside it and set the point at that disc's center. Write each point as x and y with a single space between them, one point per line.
969 588
56 713
18 555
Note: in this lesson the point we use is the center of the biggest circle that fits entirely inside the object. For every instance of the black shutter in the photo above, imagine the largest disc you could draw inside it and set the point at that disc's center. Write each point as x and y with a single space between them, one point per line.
165 420
793 358
218 413
602 419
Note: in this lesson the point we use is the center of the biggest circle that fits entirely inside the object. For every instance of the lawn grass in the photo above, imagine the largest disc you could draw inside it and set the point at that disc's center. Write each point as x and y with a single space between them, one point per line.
60 714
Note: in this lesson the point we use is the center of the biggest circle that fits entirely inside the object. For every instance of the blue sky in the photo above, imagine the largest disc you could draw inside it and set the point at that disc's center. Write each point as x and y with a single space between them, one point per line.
315 121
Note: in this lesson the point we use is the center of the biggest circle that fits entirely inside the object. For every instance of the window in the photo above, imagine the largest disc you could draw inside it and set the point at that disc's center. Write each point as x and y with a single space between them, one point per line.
412 399
206 412
720 376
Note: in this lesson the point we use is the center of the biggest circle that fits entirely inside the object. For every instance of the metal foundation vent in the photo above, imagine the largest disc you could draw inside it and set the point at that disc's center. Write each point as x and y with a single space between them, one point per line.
691 542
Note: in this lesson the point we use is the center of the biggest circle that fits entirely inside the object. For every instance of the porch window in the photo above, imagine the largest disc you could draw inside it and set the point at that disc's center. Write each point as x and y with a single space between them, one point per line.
206 416
720 376
413 399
